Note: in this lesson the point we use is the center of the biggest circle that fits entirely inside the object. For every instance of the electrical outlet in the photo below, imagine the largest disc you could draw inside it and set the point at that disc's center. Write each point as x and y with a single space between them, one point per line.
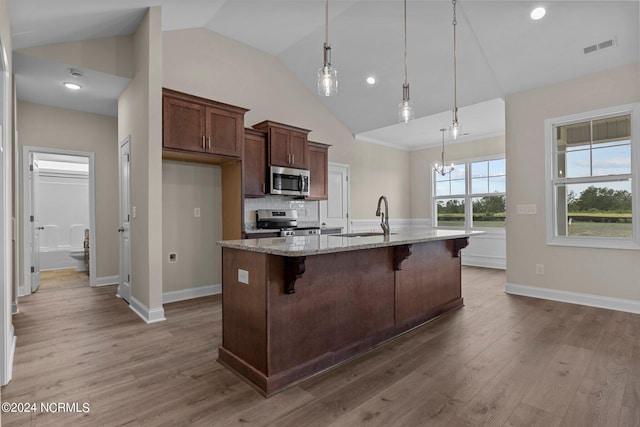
134 211
173 257
196 212
526 209
243 276
540 269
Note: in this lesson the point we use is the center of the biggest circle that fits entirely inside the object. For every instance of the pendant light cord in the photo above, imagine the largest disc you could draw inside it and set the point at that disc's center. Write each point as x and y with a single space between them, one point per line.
455 71
405 43
326 23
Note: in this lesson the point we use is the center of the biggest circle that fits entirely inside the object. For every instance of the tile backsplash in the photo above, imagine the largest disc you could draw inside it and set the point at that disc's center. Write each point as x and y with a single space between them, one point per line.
308 211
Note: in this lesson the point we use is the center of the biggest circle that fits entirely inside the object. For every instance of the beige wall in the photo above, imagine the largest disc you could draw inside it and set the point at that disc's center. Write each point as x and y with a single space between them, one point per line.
207 64
108 55
610 273
140 116
421 162
43 126
186 186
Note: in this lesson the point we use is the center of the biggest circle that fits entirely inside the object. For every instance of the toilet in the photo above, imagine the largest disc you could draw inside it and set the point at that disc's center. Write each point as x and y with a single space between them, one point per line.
78 255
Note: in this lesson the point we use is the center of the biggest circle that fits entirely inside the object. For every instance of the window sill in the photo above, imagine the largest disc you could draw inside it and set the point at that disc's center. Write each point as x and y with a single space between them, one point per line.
594 243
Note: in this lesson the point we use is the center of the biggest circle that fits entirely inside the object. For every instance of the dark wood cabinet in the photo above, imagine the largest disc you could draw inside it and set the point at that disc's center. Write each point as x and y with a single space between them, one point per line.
287 145
195 124
254 163
318 171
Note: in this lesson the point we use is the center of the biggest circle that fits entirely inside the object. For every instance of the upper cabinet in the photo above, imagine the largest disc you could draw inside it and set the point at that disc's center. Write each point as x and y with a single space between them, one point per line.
287 145
195 124
319 171
254 163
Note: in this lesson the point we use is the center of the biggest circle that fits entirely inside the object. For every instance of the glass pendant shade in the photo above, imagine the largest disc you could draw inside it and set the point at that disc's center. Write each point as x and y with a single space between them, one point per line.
327 75
455 130
405 112
440 166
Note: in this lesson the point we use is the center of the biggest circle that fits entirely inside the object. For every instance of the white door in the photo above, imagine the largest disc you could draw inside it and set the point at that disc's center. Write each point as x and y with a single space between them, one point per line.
334 212
35 224
124 290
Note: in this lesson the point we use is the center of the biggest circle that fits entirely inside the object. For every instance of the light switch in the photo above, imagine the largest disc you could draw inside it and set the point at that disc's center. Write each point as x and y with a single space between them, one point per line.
196 212
133 211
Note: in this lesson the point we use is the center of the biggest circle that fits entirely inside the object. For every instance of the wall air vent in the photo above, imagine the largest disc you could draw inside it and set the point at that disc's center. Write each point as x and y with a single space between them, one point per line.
599 46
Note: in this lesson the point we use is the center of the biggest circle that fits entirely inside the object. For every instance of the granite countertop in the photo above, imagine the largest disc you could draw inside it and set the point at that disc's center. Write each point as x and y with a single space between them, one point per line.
330 243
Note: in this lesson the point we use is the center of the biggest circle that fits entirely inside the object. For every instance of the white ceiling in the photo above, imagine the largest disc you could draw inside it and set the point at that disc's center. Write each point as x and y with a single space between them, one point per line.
500 51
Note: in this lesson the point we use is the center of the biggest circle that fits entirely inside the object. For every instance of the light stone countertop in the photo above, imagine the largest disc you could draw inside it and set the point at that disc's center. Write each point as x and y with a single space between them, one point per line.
329 243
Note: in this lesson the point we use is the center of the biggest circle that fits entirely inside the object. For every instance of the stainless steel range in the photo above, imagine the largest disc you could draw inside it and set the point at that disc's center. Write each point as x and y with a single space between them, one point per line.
286 220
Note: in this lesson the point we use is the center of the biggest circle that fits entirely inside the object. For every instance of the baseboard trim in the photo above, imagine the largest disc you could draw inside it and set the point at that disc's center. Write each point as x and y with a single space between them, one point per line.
618 304
146 314
484 261
107 280
9 367
190 293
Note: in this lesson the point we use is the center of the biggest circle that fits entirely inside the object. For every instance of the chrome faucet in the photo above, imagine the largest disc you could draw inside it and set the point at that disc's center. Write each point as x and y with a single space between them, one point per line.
384 221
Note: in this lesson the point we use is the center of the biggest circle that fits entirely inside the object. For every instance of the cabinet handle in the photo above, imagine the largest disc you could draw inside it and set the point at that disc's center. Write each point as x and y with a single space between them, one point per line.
209 143
289 159
293 157
203 142
264 190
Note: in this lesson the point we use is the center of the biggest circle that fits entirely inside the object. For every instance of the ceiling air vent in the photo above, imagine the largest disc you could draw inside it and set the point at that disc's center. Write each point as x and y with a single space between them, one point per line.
599 46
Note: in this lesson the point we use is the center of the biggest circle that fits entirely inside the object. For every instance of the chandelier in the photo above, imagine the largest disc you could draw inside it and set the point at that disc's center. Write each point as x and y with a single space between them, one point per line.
440 167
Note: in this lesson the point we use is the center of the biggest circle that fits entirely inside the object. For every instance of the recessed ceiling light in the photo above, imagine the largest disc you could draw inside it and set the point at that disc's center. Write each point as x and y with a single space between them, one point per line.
72 86
538 13
371 80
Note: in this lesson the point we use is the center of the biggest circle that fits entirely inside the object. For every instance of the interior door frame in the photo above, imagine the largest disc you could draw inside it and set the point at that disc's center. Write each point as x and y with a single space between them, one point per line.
124 292
347 183
27 151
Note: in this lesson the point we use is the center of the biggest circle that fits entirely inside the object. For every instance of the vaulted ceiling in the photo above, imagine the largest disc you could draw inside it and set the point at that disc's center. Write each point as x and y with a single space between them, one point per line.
500 50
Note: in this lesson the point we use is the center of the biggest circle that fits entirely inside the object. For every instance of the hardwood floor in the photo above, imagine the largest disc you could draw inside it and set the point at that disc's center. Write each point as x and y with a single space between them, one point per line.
500 360
63 278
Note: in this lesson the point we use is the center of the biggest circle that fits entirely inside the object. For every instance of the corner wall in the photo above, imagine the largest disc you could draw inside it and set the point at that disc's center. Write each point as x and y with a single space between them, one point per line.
140 116
568 272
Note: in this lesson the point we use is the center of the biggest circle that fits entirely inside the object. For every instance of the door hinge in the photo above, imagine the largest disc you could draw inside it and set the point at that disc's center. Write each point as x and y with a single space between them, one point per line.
31 168
347 214
33 269
128 278
31 218
128 219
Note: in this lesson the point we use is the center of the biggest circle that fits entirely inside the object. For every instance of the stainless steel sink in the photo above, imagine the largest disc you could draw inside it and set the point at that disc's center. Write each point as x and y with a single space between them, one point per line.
364 234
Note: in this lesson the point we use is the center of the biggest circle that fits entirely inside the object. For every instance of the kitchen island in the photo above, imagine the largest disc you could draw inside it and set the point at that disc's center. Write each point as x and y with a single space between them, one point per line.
295 306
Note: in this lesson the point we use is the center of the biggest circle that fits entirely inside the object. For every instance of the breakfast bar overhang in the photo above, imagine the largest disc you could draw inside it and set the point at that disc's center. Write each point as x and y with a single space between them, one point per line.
295 306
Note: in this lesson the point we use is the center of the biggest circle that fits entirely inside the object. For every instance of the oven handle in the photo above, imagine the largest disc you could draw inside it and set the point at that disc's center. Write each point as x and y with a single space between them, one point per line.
300 183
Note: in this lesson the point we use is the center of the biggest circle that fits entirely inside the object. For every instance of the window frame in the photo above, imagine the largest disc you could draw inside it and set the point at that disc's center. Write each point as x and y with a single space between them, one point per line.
467 196
552 182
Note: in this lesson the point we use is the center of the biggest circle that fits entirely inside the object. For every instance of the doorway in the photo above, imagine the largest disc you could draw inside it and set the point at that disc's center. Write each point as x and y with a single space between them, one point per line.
59 218
334 211
124 154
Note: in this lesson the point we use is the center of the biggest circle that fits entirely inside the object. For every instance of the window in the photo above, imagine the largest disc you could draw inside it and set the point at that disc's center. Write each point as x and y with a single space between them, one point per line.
471 196
591 191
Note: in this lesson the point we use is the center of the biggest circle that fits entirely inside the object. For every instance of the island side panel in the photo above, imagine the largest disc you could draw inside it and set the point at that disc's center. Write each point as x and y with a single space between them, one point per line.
343 304
428 284
244 315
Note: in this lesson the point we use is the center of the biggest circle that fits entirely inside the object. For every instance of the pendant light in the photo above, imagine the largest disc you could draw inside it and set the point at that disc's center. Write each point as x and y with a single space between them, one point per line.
405 112
327 75
455 128
440 167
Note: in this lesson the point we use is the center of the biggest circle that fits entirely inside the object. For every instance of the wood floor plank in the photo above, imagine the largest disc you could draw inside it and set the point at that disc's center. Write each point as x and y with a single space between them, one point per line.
499 360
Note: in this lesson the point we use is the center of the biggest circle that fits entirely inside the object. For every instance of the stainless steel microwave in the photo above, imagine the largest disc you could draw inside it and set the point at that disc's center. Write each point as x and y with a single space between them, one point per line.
289 181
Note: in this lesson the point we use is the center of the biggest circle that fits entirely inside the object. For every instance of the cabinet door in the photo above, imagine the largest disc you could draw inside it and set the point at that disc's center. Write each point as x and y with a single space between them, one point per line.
299 150
279 147
223 132
183 125
318 171
254 164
